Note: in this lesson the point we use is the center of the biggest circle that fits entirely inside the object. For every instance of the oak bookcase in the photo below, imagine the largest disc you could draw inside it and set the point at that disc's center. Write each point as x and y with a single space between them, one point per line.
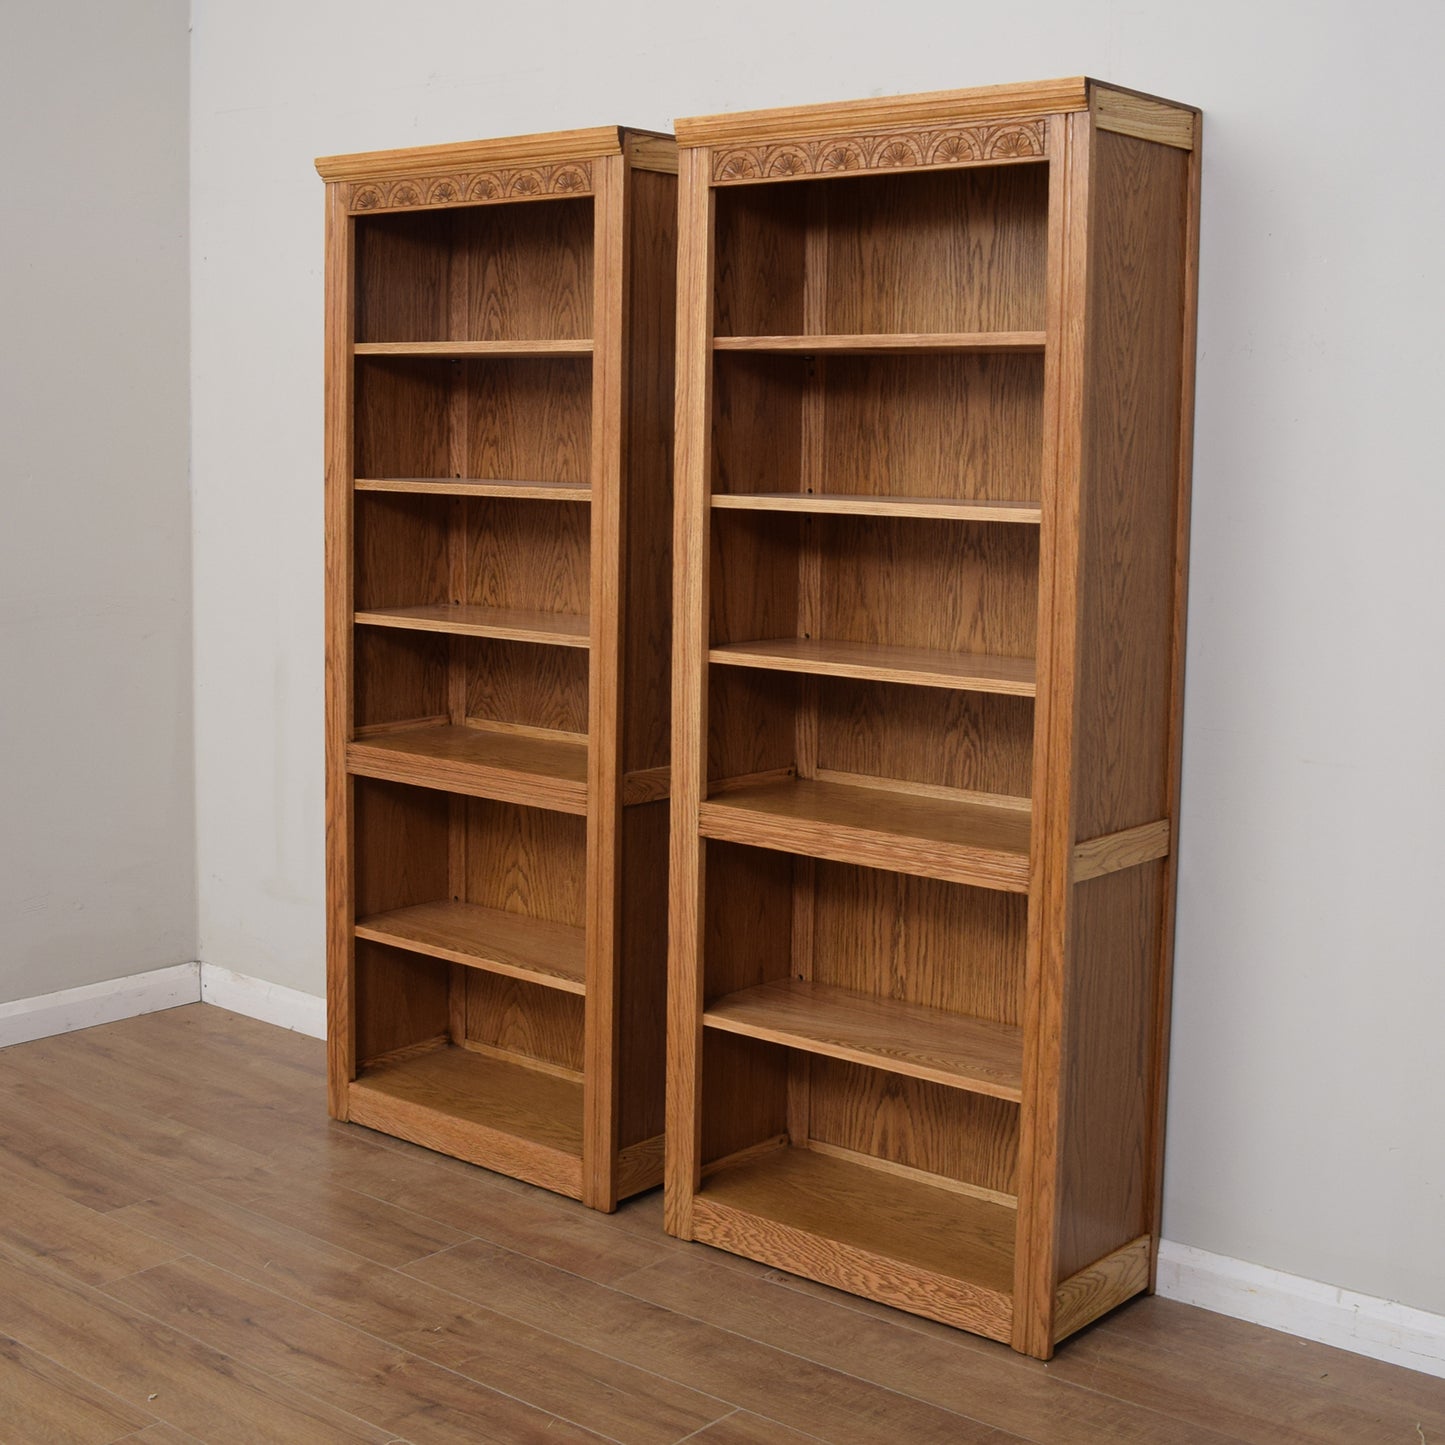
499 394
934 432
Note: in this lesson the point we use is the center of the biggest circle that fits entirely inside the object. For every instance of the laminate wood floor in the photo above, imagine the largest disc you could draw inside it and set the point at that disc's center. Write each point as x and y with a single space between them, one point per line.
190 1250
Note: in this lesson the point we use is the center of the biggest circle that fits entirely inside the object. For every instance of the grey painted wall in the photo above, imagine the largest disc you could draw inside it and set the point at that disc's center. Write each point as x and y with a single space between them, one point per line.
97 793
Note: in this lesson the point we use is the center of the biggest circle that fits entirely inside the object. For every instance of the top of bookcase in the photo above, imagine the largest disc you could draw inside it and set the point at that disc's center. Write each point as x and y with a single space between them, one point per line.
543 148
1114 107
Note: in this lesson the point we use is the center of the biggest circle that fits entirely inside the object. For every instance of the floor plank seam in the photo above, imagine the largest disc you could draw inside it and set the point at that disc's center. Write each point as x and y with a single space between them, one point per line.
160 1417
621 1285
93 1384
1159 1412
731 1414
731 1405
724 1329
1065 1388
453 1370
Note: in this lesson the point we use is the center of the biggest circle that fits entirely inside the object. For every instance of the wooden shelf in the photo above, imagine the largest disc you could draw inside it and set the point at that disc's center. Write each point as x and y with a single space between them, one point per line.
462 349
513 768
479 487
946 509
899 1240
487 1110
557 629
920 667
958 841
902 1038
537 950
877 344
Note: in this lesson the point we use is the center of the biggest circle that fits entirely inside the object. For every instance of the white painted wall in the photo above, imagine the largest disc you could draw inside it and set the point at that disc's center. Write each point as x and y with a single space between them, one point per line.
1308 1091
97 827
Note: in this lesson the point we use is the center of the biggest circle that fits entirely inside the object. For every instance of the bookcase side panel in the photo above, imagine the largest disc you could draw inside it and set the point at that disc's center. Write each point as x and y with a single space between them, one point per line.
1131 431
646 673
647 563
1125 740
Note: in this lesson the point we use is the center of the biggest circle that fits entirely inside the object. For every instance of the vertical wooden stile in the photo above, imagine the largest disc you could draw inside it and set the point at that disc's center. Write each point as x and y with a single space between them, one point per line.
340 962
604 739
458 432
692 483
1154 1188
1053 818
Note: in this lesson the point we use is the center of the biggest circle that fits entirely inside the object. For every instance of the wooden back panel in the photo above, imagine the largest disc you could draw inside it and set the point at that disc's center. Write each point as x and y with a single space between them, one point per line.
924 426
946 250
483 273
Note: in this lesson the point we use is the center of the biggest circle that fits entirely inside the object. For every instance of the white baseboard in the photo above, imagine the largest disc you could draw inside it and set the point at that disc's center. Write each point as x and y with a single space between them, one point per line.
272 1003
1361 1323
28 1019
99 1003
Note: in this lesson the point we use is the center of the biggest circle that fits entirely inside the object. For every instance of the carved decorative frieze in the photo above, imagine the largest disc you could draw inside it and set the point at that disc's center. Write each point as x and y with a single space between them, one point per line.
953 145
518 183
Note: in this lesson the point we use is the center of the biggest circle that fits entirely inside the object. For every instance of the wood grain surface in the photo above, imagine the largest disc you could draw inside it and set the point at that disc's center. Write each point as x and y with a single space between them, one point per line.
964 425
893 1119
1105 1092
534 949
1129 486
341 433
469 619
1143 117
887 684
605 549
817 1215
876 575
642 991
353 1288
522 273
571 346
479 487
1102 1286
1164 997
536 772
686 883
943 509
400 677
919 941
957 251
534 149
401 1001
902 1038
481 1090
1053 793
518 1019
876 343
881 662
524 860
982 102
517 685
957 842
1095 857
447 419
